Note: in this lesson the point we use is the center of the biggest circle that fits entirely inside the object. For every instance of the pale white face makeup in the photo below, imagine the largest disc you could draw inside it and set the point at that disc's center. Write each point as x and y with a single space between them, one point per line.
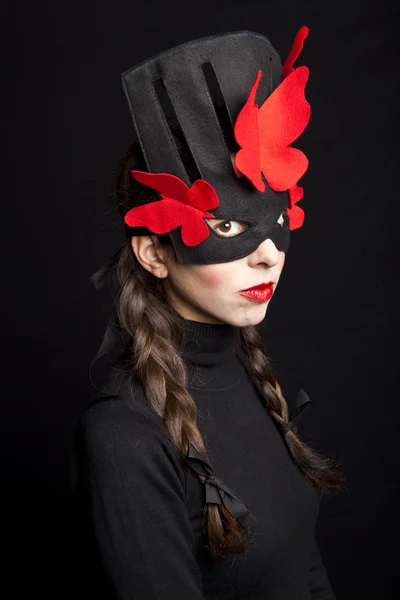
210 293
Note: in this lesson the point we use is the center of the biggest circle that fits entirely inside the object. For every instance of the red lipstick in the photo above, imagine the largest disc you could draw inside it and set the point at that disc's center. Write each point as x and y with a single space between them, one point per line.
259 293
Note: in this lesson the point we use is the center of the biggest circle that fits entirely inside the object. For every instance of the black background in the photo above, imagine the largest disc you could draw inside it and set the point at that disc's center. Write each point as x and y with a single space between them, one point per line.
331 328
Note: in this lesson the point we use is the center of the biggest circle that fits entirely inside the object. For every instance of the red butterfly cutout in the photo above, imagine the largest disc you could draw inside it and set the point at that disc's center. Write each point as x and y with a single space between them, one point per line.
295 213
265 133
180 205
295 50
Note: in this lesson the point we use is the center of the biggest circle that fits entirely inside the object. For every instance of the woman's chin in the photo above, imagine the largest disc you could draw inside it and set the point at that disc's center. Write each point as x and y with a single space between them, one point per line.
250 316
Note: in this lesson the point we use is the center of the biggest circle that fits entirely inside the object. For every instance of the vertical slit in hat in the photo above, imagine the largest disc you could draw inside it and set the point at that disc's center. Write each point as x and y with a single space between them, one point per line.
220 107
176 132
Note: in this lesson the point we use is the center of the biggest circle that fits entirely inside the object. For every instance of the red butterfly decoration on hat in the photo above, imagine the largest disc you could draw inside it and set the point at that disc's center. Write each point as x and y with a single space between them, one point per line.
265 133
180 205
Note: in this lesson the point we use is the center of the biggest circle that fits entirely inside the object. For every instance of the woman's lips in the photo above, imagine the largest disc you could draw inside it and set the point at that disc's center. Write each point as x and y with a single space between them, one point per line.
260 293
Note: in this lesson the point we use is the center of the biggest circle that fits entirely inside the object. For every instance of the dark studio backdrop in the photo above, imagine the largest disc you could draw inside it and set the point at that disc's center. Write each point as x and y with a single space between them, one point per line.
330 329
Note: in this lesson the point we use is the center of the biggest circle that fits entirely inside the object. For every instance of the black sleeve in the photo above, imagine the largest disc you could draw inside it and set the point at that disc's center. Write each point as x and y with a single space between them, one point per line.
320 586
133 488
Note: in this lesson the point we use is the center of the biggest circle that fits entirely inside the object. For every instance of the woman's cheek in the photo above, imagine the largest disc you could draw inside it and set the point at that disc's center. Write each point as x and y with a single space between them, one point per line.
215 277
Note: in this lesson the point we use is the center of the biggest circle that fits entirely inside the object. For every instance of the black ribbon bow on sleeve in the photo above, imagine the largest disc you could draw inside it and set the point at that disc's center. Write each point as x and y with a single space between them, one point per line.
113 337
216 491
302 405
99 278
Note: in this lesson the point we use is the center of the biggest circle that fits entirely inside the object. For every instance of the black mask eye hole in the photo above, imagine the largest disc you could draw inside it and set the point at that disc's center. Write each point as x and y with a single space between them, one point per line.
283 220
224 228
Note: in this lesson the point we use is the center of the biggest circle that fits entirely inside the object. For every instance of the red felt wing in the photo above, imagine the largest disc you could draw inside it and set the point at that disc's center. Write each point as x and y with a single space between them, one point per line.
164 215
265 134
180 205
294 51
281 119
295 213
164 183
247 160
200 195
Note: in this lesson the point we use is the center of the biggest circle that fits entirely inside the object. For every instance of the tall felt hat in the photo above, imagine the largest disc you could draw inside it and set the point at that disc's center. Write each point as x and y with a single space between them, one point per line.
237 111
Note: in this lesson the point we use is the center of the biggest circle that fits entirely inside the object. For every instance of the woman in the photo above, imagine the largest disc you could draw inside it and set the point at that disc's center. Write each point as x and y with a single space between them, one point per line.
191 477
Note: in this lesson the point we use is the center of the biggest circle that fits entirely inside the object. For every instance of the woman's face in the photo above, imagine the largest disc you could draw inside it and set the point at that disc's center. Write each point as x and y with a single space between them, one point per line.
210 293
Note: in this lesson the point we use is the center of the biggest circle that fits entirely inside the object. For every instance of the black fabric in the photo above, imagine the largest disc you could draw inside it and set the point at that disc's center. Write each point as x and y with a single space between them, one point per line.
235 59
217 492
143 507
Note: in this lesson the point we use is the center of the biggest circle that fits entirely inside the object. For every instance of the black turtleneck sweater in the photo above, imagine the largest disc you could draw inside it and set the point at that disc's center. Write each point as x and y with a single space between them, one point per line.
143 507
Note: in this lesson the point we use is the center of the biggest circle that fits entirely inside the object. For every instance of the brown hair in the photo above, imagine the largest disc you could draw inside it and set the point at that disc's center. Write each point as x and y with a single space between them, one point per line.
144 313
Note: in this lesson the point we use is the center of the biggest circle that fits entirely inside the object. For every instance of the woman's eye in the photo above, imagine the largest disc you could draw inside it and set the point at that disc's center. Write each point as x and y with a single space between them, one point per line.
228 228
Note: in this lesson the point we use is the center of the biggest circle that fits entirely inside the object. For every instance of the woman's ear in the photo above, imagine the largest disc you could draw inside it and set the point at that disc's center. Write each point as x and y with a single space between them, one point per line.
150 254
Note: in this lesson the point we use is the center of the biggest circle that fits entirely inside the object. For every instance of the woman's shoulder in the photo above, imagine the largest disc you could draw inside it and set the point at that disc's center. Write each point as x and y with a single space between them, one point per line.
122 403
112 430
116 440
120 408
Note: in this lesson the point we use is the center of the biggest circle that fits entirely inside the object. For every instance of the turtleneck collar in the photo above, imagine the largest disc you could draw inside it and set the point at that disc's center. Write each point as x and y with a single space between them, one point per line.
209 353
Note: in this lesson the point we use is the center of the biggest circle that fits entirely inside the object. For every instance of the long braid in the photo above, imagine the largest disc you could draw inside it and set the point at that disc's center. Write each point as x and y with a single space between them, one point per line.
155 331
324 473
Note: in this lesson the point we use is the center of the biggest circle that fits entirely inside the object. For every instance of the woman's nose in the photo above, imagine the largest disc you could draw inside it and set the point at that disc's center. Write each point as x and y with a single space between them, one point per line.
267 252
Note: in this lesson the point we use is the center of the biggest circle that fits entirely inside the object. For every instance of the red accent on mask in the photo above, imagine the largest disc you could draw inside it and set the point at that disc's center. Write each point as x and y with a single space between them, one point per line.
180 205
295 50
265 134
295 213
